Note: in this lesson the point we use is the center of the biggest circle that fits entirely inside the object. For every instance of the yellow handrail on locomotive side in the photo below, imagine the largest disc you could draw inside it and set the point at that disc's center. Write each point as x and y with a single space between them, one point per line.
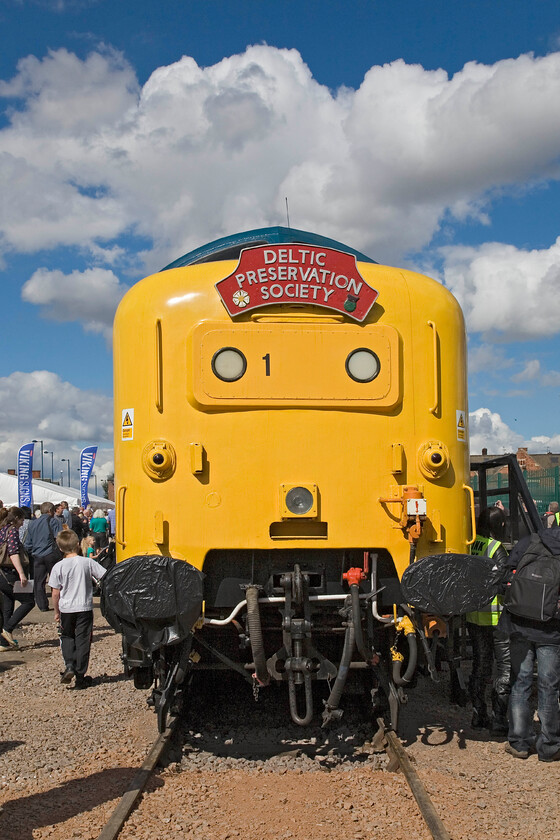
119 530
159 367
435 408
470 493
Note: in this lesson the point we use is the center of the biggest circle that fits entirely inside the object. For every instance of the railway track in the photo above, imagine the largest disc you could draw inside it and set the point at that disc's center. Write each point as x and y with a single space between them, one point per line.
128 801
385 739
399 760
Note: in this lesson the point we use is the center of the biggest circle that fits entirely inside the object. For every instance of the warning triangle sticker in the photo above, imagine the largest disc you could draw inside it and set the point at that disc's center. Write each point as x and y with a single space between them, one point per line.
127 421
461 422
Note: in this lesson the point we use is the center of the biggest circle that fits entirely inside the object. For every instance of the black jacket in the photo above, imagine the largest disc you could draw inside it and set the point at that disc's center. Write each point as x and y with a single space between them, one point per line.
540 632
77 526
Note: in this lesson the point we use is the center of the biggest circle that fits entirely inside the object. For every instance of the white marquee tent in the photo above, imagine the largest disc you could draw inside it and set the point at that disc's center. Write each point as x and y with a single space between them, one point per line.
43 491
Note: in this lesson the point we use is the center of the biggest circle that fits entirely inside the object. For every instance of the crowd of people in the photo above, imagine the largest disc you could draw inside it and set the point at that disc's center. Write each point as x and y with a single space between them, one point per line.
507 644
62 545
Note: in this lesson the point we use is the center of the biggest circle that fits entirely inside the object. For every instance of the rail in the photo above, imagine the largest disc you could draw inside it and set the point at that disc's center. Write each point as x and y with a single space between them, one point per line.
385 739
127 803
400 760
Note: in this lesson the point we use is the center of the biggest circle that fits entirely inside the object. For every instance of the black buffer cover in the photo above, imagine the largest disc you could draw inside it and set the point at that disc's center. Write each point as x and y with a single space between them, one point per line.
450 584
152 600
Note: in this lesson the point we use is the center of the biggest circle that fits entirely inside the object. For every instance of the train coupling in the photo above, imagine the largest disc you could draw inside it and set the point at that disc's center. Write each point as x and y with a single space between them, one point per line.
297 661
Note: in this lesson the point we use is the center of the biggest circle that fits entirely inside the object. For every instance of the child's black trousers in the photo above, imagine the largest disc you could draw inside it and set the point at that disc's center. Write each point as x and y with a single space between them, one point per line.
75 640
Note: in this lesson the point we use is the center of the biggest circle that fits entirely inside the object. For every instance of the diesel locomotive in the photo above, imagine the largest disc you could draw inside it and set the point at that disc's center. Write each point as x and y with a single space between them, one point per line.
290 419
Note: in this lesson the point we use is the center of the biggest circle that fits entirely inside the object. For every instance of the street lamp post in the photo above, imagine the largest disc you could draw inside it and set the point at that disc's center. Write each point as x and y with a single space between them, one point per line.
49 452
93 475
68 465
41 442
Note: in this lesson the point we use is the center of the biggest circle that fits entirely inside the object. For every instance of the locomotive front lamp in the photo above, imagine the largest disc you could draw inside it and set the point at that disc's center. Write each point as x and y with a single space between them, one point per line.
229 364
299 501
362 365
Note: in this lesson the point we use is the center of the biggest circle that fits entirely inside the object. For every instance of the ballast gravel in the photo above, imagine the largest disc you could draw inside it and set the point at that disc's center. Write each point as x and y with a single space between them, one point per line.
241 769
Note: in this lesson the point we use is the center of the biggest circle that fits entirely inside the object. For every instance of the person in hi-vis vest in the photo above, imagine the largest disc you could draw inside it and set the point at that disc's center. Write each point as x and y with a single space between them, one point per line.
488 643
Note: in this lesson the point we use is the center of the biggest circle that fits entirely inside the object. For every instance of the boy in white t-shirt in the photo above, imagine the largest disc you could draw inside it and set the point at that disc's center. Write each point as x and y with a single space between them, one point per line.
71 581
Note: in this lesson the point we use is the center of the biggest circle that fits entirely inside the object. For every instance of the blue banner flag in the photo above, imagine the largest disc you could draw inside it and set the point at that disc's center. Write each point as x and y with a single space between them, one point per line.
87 460
25 475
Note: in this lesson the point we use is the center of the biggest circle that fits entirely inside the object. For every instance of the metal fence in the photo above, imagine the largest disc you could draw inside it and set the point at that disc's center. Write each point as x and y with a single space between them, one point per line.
543 485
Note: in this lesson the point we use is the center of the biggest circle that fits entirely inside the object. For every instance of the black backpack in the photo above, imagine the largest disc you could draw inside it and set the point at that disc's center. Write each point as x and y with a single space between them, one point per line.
535 585
553 524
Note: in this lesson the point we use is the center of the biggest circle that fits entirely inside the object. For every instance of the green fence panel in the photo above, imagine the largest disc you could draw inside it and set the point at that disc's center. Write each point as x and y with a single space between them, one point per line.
543 485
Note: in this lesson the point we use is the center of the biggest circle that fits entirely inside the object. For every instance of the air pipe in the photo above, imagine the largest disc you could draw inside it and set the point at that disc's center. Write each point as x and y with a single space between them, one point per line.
332 712
256 636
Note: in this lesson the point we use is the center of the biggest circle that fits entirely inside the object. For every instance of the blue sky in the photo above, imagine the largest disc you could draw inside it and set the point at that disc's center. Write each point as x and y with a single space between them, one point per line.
425 133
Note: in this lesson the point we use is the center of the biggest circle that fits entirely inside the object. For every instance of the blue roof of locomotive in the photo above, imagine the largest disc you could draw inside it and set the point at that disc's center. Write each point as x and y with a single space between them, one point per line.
229 247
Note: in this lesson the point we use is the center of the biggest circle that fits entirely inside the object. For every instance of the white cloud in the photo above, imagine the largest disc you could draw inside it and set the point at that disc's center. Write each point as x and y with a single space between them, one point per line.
550 379
489 359
505 289
67 97
533 372
201 152
41 405
530 372
488 431
543 443
90 296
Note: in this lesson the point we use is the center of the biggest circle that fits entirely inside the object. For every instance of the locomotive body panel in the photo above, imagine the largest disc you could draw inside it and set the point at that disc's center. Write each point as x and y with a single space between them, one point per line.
294 417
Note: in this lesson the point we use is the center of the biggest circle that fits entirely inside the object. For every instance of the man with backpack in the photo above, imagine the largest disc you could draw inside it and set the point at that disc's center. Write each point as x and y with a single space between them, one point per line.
531 617
551 519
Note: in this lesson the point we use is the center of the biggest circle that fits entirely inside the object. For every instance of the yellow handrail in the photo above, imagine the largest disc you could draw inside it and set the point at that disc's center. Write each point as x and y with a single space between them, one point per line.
470 491
435 408
159 367
119 530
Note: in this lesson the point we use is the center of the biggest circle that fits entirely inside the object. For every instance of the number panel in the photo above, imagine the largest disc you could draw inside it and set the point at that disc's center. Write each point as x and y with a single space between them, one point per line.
288 365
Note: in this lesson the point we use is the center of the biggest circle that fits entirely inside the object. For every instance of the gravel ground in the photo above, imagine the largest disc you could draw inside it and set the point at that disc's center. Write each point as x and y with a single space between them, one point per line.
65 754
243 770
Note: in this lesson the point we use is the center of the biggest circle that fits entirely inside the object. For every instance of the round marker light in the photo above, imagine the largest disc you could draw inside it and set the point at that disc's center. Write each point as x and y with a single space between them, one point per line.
299 500
159 459
229 364
433 459
362 365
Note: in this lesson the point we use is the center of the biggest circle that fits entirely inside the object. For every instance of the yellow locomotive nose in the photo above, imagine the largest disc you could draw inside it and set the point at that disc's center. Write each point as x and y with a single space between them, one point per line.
294 427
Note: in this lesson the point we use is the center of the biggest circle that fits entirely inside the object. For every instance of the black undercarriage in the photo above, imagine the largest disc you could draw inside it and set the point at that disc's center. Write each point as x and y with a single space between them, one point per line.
294 617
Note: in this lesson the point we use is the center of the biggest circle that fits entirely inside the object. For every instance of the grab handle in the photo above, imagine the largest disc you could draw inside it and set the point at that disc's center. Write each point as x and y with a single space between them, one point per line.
470 492
435 408
119 530
159 367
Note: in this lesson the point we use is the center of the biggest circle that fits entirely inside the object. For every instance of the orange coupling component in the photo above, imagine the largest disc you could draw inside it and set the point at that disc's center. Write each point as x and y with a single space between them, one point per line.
434 626
414 500
354 576
414 509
